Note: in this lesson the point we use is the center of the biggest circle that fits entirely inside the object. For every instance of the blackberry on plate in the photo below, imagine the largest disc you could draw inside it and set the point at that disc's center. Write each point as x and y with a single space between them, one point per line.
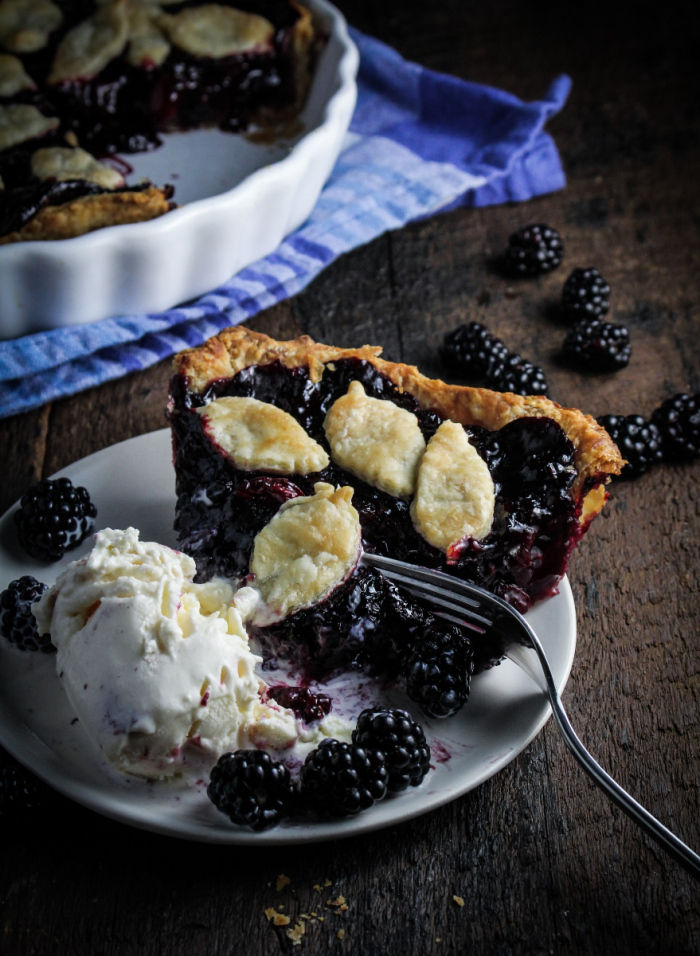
17 623
438 672
54 516
678 422
598 345
251 789
585 295
20 792
400 739
471 350
533 250
340 780
638 440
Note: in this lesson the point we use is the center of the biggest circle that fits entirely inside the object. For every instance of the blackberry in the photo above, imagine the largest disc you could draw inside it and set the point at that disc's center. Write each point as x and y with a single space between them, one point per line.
678 422
597 345
400 739
471 350
438 672
523 378
17 623
533 250
585 295
54 516
340 780
638 440
21 793
251 789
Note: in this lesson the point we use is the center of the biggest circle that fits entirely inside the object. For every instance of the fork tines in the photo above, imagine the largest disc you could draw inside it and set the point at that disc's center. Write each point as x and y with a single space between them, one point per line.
435 587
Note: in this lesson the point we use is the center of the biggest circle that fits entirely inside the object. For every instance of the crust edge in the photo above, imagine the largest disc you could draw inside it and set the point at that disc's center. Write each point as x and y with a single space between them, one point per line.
88 213
597 458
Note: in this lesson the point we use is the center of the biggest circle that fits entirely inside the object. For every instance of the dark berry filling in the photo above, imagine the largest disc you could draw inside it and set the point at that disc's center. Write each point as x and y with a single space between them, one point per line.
367 622
304 703
217 522
124 108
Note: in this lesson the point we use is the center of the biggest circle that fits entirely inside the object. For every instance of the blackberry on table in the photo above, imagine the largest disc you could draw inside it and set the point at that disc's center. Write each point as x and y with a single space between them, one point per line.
53 517
471 350
21 794
678 422
400 739
17 623
585 295
438 672
523 378
251 789
598 345
638 440
533 250
340 780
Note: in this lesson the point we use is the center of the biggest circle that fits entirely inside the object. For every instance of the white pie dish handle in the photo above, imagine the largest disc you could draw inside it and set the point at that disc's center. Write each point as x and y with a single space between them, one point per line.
152 266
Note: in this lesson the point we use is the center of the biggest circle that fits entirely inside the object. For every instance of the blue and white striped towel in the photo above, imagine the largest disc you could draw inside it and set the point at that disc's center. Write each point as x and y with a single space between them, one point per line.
419 142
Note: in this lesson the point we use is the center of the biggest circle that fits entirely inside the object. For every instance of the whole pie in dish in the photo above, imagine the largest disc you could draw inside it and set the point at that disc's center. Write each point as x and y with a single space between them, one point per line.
293 457
82 80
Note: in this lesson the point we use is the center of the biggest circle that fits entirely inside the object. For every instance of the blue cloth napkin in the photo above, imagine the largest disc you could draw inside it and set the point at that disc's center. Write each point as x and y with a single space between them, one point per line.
419 142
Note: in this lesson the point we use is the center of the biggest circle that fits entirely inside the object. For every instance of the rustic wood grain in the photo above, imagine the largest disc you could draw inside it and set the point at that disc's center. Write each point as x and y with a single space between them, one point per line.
543 862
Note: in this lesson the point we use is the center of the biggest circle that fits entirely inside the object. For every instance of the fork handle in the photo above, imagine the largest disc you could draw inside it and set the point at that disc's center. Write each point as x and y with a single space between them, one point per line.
651 826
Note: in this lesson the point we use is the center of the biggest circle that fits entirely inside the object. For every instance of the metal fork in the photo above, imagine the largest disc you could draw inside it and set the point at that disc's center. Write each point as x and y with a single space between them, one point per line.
484 613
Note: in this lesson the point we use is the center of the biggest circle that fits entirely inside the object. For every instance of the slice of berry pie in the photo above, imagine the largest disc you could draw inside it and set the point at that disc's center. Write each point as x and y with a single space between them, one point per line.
293 457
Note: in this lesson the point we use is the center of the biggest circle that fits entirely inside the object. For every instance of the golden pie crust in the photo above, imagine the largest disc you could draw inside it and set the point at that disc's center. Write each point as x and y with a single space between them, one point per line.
307 549
596 456
258 436
87 213
375 440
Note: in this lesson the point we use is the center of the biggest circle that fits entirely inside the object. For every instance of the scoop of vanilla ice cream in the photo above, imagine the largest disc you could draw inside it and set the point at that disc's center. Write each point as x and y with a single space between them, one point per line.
157 668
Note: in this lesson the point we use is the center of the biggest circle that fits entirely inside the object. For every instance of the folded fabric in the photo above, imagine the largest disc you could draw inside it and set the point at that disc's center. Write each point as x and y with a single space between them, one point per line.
419 142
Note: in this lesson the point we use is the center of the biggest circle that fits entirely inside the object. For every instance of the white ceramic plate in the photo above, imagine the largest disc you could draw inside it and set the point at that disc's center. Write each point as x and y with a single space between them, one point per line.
240 200
132 484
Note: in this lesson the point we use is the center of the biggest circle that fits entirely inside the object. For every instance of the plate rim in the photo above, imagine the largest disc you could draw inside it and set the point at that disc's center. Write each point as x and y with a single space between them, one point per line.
109 804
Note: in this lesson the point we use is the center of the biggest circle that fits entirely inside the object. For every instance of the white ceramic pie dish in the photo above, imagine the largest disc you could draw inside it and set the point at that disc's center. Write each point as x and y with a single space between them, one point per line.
240 200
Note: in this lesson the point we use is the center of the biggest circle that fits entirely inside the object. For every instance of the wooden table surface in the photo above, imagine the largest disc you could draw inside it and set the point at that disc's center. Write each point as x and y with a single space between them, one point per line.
542 861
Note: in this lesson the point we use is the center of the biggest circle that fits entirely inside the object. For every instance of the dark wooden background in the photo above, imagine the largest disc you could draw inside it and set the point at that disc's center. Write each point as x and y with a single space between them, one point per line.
543 862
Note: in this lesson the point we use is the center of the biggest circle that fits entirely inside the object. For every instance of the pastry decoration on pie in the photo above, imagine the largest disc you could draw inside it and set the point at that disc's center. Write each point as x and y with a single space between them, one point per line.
81 82
494 488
